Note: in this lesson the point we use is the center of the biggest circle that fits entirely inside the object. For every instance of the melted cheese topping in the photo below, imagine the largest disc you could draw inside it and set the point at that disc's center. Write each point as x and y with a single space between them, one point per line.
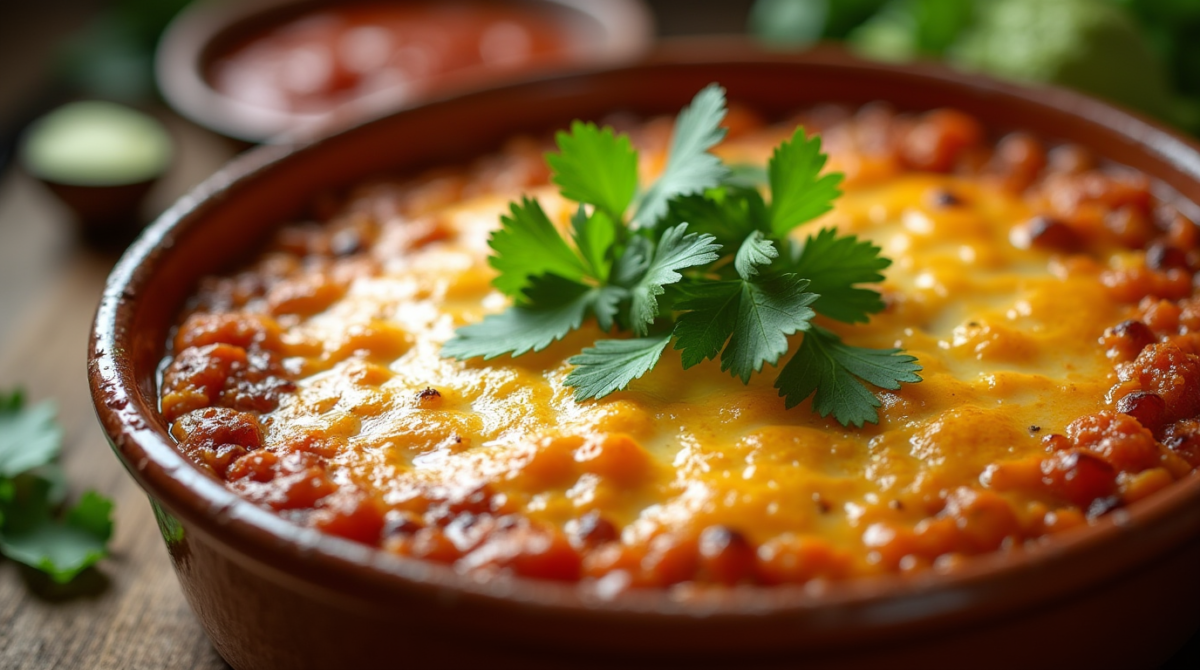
1008 336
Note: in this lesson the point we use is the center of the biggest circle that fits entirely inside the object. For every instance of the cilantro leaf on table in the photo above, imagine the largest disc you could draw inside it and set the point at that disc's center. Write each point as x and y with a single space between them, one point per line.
56 481
835 265
799 193
677 250
835 372
690 167
609 365
595 166
706 260
12 401
527 245
32 486
61 548
29 438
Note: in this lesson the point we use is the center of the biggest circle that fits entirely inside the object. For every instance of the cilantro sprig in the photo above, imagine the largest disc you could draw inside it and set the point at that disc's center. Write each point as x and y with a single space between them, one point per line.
33 488
704 260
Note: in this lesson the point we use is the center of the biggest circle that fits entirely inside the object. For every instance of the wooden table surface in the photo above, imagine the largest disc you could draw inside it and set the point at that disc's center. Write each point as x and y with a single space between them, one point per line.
128 614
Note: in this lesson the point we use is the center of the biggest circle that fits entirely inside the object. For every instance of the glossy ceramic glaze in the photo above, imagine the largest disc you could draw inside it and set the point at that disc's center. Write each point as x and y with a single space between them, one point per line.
1119 593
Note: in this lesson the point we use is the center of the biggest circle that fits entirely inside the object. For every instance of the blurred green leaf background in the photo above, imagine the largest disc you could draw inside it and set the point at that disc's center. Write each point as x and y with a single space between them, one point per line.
1144 54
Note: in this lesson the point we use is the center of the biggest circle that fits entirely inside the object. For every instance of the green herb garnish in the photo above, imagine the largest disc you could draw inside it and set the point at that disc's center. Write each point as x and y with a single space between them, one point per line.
704 259
33 488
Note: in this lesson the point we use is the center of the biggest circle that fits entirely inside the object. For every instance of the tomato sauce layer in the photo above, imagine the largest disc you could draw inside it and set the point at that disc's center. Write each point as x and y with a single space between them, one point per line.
1049 297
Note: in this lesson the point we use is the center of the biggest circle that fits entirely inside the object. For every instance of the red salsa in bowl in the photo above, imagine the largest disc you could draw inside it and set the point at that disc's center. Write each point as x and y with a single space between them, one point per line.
271 68
335 54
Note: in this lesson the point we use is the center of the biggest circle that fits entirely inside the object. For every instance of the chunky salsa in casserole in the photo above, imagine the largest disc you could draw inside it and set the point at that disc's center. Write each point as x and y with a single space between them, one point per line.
1048 296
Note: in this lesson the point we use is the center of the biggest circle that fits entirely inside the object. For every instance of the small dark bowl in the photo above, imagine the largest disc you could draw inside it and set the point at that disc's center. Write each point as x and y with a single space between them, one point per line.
1121 592
106 216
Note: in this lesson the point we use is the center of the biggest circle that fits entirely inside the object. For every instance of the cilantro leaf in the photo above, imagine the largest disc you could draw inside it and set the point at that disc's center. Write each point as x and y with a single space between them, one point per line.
798 193
557 306
690 168
32 485
606 304
56 482
29 438
754 314
594 236
595 166
756 251
7 492
743 301
728 214
834 265
609 365
832 370
743 175
12 402
712 311
632 264
527 245
61 548
768 312
676 250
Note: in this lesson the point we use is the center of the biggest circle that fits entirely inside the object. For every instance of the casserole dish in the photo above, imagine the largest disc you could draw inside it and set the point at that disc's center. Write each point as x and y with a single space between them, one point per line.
272 594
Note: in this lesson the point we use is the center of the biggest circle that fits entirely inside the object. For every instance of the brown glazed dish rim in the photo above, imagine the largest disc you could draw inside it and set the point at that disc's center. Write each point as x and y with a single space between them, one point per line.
1128 539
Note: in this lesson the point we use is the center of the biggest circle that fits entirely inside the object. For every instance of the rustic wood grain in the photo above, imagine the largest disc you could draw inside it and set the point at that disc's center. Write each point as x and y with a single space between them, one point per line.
129 614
